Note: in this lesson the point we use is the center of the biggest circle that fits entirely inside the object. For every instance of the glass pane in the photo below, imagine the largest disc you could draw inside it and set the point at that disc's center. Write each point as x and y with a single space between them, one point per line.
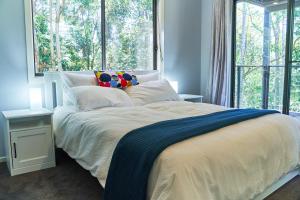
260 54
42 53
129 34
278 18
276 87
250 85
295 90
249 49
296 37
67 34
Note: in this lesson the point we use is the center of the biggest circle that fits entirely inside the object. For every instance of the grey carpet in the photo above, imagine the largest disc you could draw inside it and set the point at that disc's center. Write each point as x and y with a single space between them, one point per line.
68 181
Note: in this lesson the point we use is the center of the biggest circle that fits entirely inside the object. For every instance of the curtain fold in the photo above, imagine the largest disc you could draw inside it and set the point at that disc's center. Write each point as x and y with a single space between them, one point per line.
221 52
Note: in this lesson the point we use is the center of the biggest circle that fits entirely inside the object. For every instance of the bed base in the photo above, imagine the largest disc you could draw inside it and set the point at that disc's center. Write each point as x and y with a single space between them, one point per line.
281 182
270 190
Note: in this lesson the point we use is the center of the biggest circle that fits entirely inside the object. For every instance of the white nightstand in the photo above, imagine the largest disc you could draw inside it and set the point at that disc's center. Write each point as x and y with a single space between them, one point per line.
29 142
191 97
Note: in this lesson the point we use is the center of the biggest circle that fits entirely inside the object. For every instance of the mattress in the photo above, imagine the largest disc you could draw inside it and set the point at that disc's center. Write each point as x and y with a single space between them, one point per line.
235 162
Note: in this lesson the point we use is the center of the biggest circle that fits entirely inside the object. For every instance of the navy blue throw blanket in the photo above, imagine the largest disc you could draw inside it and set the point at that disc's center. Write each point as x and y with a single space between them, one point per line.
136 152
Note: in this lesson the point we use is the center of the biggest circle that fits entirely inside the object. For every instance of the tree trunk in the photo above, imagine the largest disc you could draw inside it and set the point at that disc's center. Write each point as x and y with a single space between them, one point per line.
276 29
52 63
243 49
283 41
36 46
283 37
59 9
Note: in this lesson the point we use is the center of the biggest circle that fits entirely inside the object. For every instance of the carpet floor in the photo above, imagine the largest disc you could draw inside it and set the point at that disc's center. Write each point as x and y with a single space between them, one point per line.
69 181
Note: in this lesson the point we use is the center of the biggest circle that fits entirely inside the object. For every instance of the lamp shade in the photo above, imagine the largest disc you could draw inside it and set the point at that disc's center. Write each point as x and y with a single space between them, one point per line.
35 95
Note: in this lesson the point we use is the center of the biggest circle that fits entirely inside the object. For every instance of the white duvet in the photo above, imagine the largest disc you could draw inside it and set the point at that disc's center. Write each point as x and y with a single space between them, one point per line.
235 162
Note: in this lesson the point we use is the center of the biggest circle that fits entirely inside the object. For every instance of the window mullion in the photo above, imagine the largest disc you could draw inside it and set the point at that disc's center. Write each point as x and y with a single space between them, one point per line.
155 45
103 30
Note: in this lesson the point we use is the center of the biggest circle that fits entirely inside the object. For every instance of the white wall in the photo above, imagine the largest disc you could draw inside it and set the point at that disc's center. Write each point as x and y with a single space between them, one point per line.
13 69
183 44
188 38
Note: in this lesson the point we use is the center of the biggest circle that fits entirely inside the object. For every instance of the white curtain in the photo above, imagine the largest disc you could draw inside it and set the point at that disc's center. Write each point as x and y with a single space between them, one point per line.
160 35
221 52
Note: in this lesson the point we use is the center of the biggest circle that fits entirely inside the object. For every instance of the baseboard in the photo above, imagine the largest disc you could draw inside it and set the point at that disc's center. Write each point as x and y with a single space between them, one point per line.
2 159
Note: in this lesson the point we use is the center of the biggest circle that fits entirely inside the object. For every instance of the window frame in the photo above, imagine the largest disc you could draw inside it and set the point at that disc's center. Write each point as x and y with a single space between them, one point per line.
29 29
287 62
29 40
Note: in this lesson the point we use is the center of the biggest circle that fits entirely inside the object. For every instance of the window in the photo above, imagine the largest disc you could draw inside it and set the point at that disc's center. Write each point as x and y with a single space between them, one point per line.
266 55
77 35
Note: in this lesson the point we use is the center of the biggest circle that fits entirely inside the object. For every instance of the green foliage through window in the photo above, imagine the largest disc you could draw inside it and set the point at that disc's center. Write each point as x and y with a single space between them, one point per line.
260 46
68 34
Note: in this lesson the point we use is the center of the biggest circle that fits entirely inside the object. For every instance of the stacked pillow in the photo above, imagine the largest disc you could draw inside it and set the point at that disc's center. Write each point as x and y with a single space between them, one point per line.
83 91
73 79
154 76
94 97
151 92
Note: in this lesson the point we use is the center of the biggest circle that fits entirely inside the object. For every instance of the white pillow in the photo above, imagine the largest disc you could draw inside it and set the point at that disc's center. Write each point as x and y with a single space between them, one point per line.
76 79
93 97
70 80
148 77
151 92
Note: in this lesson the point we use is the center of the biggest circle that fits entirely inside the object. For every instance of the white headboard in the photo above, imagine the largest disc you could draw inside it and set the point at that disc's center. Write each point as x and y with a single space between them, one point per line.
54 87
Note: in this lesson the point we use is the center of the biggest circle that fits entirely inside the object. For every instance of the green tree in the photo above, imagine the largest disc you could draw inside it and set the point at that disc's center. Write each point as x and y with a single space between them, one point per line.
75 43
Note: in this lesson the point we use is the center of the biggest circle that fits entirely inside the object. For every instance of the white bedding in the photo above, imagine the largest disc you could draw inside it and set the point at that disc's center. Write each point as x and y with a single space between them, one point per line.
235 162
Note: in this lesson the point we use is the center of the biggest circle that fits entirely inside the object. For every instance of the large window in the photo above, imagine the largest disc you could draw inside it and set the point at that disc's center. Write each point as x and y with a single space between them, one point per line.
266 62
77 35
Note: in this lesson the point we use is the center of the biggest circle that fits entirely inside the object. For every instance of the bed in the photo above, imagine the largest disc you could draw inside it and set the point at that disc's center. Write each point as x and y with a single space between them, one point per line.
248 160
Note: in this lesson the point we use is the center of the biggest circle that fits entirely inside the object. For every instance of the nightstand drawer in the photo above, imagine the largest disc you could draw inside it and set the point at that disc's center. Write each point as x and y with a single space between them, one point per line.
31 147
